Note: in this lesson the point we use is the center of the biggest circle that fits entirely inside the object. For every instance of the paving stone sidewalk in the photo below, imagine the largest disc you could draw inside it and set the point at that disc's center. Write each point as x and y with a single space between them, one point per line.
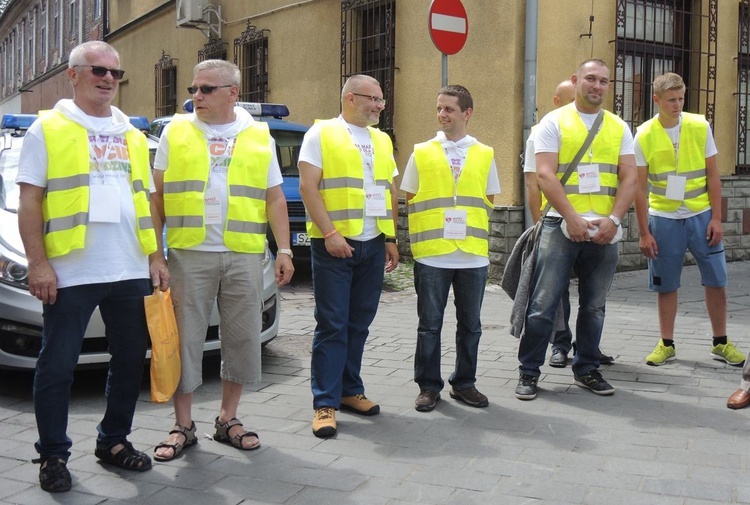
665 437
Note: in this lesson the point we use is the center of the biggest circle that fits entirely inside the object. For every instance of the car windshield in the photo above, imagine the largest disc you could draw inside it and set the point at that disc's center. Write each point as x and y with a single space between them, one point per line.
288 144
9 192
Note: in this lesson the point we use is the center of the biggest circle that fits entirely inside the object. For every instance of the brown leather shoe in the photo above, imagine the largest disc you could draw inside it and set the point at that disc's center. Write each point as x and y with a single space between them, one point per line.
739 399
359 404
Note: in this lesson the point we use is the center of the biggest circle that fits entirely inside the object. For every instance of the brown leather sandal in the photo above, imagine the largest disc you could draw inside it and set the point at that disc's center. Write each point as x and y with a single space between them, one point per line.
222 435
190 439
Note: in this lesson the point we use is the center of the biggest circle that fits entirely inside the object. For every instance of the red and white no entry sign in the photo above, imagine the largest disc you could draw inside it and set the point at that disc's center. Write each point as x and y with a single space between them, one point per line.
448 25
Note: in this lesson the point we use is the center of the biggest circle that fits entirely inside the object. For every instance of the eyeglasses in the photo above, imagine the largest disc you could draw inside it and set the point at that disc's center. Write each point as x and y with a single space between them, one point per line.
374 99
206 90
98 71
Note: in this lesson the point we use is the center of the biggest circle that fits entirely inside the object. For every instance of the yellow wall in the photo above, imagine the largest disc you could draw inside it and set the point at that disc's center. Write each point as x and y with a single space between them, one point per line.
304 56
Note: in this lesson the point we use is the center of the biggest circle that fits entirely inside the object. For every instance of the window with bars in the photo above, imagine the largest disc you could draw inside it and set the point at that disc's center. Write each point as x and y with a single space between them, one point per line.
166 85
743 90
73 18
214 49
658 36
251 56
368 46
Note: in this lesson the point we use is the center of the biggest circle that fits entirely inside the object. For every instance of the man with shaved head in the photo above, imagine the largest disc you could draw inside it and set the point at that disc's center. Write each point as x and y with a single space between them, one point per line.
582 227
562 340
346 172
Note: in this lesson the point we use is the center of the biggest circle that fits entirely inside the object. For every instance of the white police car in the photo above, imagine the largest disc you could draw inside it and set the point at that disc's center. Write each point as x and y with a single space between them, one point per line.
21 313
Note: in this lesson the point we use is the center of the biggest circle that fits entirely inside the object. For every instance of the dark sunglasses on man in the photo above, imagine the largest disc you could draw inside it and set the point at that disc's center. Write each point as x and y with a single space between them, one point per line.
206 90
102 71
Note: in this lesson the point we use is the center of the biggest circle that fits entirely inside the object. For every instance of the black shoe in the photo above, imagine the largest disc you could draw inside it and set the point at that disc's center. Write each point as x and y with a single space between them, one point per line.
605 359
595 382
54 477
470 396
559 358
526 388
426 400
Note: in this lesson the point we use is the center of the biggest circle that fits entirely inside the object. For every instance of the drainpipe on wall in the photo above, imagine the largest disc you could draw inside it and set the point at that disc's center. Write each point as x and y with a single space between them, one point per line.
529 84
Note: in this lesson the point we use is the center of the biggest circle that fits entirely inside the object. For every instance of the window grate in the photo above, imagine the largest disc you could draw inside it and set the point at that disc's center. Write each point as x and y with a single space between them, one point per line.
214 49
166 85
743 90
658 36
251 56
368 46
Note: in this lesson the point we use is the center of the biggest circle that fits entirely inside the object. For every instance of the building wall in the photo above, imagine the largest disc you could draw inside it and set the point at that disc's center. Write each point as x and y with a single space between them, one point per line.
43 83
305 67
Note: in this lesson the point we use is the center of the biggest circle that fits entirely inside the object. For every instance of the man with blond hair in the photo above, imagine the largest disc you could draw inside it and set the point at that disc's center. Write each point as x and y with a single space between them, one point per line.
676 155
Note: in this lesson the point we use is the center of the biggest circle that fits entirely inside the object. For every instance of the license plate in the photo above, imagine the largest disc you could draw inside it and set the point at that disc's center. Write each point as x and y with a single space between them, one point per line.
300 239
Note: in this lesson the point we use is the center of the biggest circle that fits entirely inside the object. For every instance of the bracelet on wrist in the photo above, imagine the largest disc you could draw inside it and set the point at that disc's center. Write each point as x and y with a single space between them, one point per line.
389 240
331 233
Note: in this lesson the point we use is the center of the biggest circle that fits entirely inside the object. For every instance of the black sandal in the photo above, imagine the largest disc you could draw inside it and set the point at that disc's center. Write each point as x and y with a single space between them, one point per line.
222 435
54 477
190 439
126 458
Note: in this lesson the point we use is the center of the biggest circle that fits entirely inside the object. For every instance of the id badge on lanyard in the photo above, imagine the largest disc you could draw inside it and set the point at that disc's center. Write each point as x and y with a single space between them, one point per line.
375 200
104 203
212 206
588 178
454 224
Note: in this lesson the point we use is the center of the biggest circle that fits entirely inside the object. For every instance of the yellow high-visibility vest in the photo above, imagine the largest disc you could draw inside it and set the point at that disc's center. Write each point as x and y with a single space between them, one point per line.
186 181
436 194
66 201
603 151
659 152
342 186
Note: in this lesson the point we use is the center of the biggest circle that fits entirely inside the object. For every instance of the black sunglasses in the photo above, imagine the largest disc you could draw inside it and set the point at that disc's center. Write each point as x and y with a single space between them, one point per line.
206 90
102 71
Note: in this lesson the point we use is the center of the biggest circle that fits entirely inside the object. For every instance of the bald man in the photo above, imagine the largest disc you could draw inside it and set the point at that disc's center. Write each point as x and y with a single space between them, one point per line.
562 341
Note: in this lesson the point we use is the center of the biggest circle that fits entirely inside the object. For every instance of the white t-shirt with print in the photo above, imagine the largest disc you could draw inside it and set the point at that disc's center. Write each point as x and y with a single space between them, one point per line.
112 251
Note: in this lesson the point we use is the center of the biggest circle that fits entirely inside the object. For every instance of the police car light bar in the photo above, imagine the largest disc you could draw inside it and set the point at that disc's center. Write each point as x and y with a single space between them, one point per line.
17 121
140 122
277 110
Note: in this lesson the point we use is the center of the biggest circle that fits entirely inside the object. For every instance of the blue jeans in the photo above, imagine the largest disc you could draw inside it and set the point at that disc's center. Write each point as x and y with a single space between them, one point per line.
347 293
563 339
121 307
432 286
595 267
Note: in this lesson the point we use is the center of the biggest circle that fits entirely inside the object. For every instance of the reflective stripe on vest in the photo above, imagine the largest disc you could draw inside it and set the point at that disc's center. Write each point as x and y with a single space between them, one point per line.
658 151
342 186
186 180
66 201
605 152
436 194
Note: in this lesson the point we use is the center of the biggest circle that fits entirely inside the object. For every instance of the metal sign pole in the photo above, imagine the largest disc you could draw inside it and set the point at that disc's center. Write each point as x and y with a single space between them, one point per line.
445 70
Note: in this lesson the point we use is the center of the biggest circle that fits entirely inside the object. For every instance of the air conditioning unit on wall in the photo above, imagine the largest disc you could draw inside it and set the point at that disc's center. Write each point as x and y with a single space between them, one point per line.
190 12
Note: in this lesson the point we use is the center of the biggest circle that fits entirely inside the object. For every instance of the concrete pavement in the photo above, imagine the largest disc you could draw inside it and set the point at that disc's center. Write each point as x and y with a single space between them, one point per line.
665 437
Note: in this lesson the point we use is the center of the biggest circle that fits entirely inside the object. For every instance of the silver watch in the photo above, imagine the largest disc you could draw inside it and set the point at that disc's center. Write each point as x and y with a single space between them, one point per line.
615 219
288 252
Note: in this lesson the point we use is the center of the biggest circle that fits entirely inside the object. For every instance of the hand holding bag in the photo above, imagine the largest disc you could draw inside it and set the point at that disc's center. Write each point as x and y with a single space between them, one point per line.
166 366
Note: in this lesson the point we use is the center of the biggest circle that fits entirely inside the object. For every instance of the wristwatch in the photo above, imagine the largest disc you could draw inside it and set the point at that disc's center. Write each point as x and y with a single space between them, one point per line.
288 252
390 241
615 219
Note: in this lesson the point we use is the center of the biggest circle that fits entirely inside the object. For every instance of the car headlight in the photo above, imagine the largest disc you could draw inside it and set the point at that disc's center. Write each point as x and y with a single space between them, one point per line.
266 255
14 273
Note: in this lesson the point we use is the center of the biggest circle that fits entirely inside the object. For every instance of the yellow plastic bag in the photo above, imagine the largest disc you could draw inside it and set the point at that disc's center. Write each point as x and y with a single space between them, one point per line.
166 366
